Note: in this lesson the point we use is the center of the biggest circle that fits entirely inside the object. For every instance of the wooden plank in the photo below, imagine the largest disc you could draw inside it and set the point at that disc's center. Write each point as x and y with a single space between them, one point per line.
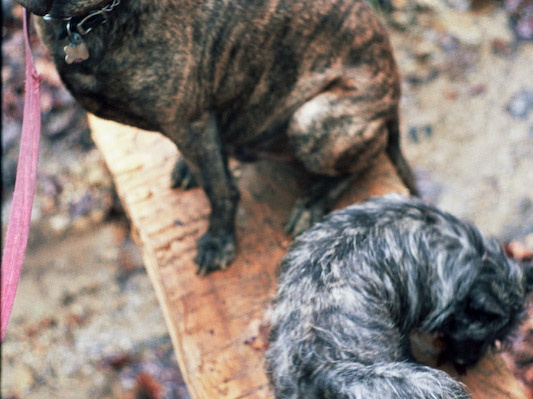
214 320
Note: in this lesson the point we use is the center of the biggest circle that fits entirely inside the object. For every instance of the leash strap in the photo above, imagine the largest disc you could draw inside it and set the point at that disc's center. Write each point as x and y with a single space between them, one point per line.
18 227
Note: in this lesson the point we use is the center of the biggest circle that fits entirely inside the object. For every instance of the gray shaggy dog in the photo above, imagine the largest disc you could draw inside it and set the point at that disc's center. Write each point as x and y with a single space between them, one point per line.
353 287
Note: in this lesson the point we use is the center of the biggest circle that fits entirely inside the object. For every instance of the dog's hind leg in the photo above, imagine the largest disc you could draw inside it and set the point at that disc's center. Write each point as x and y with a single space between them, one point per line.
316 202
340 133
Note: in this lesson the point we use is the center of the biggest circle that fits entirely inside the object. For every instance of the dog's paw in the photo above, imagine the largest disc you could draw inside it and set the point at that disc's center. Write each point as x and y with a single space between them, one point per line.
303 216
214 252
182 176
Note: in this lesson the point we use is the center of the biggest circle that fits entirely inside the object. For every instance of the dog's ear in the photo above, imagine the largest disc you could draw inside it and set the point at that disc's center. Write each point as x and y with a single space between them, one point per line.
483 305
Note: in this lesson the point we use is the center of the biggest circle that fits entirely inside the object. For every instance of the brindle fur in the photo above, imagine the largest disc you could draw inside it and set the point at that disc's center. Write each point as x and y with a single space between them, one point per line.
314 80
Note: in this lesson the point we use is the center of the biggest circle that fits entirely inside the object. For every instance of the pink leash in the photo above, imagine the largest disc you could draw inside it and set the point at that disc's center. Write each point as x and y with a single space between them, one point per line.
19 220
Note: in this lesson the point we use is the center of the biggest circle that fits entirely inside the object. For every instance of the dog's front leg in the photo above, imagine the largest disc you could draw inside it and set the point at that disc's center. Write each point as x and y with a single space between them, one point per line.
204 154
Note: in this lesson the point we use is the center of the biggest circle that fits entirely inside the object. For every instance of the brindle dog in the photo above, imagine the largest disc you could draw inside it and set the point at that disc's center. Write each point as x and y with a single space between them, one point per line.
311 80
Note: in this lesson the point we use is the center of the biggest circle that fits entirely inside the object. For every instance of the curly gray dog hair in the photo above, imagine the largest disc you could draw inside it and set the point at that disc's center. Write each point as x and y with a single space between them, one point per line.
353 287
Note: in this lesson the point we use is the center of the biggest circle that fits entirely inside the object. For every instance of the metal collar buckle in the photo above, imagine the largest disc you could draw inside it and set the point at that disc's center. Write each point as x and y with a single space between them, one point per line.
94 18
76 27
83 25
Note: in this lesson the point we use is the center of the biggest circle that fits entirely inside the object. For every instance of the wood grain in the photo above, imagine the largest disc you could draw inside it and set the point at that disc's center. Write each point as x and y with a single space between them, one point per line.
217 322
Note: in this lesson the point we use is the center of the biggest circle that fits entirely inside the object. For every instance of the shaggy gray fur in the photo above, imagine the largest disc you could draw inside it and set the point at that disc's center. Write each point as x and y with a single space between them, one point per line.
353 287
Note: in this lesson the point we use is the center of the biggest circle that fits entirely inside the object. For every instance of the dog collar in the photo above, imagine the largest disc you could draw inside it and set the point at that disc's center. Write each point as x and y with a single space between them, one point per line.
77 27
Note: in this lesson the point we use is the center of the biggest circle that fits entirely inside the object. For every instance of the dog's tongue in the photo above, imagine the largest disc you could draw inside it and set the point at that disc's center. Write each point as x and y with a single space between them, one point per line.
37 7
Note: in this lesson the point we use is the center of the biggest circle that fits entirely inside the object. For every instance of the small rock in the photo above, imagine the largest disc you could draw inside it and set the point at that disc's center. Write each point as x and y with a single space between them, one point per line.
118 360
461 5
524 27
416 133
459 58
477 89
422 76
148 387
401 13
97 176
98 215
11 129
521 15
513 5
424 49
46 102
82 207
81 223
521 104
403 19
130 257
430 189
59 223
462 26
47 203
50 187
501 47
413 134
450 94
23 380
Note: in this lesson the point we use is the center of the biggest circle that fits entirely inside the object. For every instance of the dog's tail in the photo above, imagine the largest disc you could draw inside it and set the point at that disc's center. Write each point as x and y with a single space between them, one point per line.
395 155
397 380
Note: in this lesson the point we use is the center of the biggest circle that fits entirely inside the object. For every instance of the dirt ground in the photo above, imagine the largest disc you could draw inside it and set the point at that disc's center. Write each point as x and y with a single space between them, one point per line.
86 323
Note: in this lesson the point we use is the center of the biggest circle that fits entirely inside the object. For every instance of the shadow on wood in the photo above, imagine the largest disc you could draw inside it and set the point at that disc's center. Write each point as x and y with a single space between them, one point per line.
215 322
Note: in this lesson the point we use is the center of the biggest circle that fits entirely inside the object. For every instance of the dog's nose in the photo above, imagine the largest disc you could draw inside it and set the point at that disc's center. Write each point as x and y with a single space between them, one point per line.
37 7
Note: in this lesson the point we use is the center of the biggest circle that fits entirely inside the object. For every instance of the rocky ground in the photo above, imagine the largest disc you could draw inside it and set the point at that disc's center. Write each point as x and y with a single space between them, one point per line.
86 323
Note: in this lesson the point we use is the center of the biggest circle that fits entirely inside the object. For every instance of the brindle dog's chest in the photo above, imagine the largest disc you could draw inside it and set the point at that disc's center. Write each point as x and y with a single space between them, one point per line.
110 95
130 76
